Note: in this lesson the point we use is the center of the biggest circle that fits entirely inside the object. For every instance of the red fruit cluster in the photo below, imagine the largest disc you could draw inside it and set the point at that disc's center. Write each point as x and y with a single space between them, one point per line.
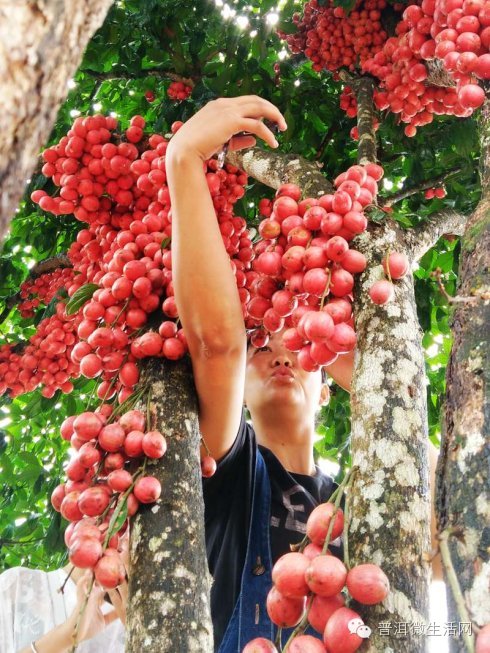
348 102
395 266
179 91
332 39
438 191
46 360
120 190
316 579
456 31
100 485
302 276
42 289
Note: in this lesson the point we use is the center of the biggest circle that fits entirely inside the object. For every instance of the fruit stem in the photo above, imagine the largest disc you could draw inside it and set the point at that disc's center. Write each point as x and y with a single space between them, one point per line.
302 624
338 498
80 615
345 537
455 587
327 288
387 259
278 639
205 446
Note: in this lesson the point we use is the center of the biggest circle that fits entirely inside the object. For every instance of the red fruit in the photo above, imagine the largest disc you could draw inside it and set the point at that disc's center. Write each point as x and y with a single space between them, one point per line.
94 500
173 348
341 282
471 96
306 644
87 426
288 575
147 489
292 339
381 292
109 571
312 550
326 575
133 420
290 190
283 611
69 507
483 640
315 281
353 261
337 637
208 466
129 374
397 263
119 480
319 521
111 437
336 248
322 609
368 584
284 207
154 444
260 645
67 427
84 552
88 455
339 309
374 170
133 444
57 497
318 326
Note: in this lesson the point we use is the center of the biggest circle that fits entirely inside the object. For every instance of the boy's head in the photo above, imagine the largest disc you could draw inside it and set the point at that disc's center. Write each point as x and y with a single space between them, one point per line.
275 380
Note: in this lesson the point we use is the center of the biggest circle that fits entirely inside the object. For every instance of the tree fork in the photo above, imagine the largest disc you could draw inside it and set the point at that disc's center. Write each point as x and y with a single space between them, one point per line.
463 478
389 523
41 46
169 583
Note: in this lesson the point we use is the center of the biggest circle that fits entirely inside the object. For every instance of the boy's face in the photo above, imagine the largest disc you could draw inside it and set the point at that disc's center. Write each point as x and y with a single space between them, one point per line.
274 378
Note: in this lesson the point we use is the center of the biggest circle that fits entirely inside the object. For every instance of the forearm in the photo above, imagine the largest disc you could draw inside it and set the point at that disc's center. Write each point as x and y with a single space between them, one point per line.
57 640
204 282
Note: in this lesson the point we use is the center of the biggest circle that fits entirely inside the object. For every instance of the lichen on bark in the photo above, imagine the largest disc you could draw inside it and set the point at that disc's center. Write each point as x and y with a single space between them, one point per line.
169 581
41 46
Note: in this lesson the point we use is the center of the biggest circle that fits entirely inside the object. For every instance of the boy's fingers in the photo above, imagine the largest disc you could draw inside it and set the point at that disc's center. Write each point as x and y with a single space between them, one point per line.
240 142
261 130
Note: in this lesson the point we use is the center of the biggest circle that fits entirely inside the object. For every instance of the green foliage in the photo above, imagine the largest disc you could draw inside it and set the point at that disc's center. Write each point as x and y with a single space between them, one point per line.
139 44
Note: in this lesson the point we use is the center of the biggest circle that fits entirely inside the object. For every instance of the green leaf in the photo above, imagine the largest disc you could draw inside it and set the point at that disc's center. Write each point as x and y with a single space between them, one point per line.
80 297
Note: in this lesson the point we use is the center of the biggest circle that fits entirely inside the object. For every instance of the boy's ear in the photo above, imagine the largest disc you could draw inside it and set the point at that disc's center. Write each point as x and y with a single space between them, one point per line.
324 395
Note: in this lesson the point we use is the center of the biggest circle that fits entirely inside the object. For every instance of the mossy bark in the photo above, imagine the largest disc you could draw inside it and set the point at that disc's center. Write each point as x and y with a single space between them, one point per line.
390 501
169 582
463 484
41 46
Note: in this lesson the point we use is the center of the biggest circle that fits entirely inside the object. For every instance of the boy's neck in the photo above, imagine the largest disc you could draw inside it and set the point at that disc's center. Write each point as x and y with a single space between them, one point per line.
291 441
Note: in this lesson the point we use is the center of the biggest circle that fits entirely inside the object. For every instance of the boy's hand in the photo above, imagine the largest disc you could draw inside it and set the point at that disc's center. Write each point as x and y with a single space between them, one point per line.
217 123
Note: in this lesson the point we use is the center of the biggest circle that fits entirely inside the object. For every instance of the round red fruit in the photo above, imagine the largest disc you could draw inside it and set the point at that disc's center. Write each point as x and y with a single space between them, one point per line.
288 575
340 634
396 264
154 444
368 584
260 645
282 610
381 292
319 521
147 489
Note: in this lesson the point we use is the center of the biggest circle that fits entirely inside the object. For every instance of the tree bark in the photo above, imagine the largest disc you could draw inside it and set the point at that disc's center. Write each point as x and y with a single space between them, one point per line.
463 483
41 46
169 582
274 169
389 500
390 514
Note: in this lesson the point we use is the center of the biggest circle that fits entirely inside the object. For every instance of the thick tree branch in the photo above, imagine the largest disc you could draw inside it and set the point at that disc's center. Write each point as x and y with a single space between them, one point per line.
364 88
420 239
150 72
41 47
424 185
275 168
437 74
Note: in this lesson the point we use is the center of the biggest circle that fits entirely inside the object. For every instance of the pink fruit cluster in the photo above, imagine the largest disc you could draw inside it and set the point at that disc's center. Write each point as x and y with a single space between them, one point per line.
395 266
439 192
100 480
179 91
119 188
304 267
316 579
42 289
332 39
45 361
455 31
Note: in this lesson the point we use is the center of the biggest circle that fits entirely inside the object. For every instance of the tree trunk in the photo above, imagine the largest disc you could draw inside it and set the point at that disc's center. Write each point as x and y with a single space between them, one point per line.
463 487
169 583
41 45
389 503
